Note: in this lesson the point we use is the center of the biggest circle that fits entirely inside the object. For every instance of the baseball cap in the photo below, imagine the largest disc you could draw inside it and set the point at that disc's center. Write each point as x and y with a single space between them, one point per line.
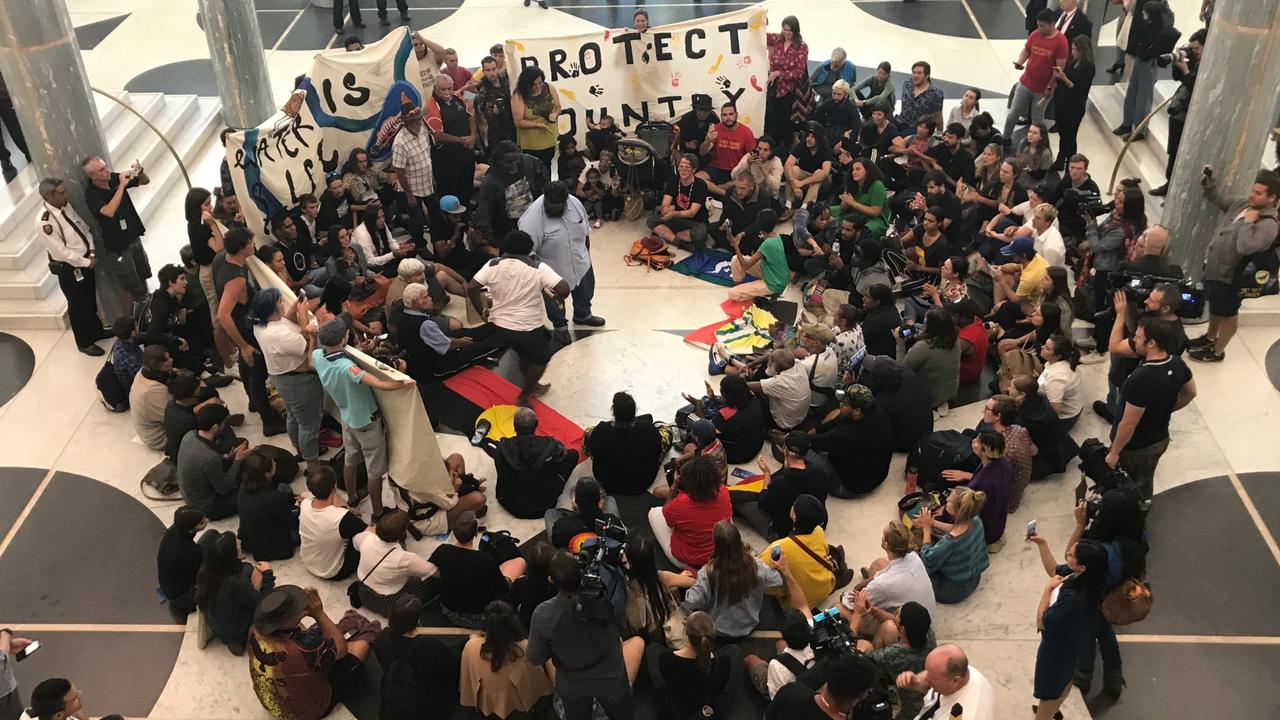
818 331
451 205
1019 246
333 333
701 101
796 442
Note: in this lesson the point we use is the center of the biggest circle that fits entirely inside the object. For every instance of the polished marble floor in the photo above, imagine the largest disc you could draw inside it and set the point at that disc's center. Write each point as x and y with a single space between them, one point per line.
75 525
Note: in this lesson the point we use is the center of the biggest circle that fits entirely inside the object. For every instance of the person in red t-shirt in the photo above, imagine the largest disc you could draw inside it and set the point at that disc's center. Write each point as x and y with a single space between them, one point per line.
727 141
1046 48
972 335
698 501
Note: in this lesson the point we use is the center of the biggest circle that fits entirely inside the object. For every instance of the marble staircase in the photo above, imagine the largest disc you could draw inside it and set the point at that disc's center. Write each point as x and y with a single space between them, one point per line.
29 295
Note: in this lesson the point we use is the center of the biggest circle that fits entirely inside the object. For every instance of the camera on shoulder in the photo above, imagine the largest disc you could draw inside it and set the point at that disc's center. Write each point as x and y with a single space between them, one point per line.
1137 288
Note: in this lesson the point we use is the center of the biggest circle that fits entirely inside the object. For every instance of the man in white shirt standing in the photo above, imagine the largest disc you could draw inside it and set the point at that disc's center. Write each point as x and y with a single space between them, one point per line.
516 283
949 680
68 241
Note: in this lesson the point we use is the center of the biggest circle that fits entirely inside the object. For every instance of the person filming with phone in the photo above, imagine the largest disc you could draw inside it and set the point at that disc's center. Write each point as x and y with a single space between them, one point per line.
12 649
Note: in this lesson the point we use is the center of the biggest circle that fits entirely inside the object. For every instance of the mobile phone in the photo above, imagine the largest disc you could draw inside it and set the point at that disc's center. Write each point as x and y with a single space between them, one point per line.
775 552
349 634
26 651
1208 171
1031 528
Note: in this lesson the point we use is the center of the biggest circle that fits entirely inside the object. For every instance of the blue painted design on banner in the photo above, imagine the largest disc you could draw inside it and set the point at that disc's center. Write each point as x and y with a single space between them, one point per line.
388 124
263 199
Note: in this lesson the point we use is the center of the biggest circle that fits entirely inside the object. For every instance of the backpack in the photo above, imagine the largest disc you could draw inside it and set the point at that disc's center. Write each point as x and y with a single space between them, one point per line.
1127 603
1256 273
114 395
401 692
938 451
651 252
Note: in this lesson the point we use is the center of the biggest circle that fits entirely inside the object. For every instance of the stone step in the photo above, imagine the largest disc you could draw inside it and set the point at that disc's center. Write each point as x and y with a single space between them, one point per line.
1145 158
47 313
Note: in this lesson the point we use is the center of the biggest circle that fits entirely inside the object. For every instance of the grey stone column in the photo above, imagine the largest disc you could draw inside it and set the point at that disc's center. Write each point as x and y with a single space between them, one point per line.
40 59
1232 113
239 63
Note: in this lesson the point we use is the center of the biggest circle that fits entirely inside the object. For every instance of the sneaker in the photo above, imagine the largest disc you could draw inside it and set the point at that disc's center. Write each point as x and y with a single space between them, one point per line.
218 380
1206 354
1199 342
1161 191
235 419
1122 130
1101 410
561 335
482 431
1135 137
275 428
590 320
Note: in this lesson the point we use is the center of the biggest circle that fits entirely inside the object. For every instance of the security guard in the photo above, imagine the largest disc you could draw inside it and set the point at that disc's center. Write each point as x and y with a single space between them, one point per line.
68 241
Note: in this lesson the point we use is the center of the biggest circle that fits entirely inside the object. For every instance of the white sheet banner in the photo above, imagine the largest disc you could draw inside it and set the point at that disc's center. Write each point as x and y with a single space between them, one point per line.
636 77
352 100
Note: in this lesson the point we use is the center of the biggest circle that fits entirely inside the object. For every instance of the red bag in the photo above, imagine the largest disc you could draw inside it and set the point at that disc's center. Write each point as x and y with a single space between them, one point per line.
651 252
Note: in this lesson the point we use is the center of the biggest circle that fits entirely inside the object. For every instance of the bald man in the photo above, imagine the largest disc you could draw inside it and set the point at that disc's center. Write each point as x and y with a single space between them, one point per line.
1153 255
785 389
453 158
949 680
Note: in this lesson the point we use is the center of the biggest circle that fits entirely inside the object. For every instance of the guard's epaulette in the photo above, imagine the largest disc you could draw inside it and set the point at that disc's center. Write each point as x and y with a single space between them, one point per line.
45 216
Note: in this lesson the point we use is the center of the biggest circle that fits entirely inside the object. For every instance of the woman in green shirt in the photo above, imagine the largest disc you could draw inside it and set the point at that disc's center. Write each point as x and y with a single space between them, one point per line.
769 261
535 106
868 198
935 356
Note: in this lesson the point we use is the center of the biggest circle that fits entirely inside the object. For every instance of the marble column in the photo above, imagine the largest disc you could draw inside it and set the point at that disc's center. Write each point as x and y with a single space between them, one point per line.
40 59
1232 113
239 63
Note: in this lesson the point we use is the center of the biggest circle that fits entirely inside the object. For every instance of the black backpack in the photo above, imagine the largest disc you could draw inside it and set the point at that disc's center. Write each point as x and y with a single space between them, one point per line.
1256 273
401 692
938 451
114 395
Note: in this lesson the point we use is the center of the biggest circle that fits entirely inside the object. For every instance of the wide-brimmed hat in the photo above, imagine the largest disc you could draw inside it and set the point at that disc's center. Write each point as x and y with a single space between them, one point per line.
280 609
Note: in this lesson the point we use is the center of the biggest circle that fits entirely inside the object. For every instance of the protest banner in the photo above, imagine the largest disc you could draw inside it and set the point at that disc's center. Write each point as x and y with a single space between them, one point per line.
349 100
638 77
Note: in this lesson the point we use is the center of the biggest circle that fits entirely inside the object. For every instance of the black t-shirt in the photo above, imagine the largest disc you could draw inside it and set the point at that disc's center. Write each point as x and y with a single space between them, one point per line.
795 701
860 451
198 235
527 593
742 432
471 578
159 318
688 687
1153 386
1152 265
224 272
1122 367
455 119
810 159
435 671
935 254
268 523
957 164
1070 223
296 262
177 562
784 487
685 196
693 131
873 138
122 228
625 457
951 210
336 211
574 524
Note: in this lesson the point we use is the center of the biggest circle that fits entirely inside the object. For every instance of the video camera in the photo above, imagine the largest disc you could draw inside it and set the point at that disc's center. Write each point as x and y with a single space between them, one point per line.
831 638
600 563
1089 202
1137 288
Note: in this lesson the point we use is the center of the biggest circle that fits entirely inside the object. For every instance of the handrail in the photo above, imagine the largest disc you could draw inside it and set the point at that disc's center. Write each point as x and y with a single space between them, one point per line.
1140 126
177 158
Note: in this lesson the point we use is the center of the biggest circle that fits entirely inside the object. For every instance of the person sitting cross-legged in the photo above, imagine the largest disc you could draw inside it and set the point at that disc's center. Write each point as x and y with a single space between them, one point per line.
590 507
471 577
625 452
769 511
532 468
436 353
209 479
327 527
768 263
807 553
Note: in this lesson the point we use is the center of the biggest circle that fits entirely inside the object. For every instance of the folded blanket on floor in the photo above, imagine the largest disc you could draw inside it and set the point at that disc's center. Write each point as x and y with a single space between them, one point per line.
740 335
709 265
496 397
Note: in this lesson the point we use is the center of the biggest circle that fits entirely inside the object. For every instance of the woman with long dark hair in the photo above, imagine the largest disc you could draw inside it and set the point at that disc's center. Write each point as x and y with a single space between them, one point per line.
1071 95
867 198
1060 381
934 357
268 513
649 602
1034 156
204 234
1069 610
228 591
496 679
1110 243
739 420
373 236
731 586
788 75
1057 291
535 106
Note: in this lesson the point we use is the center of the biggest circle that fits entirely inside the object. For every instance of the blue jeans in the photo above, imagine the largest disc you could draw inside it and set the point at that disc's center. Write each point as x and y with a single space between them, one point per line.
581 295
1024 106
1142 85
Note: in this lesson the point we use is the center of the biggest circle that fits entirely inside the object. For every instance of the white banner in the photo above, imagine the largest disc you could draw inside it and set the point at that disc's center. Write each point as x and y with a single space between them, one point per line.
636 77
352 100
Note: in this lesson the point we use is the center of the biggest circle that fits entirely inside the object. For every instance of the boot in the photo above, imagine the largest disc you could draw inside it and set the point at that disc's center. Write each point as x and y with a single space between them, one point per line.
1113 683
1083 681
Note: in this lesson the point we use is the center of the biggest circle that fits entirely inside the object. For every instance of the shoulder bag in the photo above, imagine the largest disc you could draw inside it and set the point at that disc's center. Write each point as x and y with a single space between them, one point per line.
353 590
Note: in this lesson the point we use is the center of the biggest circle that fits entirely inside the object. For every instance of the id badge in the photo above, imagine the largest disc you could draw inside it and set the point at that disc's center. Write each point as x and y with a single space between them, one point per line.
78 275
124 224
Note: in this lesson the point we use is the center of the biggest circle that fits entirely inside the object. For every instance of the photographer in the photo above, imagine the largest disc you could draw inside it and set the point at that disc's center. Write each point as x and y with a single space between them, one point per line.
590 658
1108 243
1162 302
1073 192
1186 63
1159 386
847 693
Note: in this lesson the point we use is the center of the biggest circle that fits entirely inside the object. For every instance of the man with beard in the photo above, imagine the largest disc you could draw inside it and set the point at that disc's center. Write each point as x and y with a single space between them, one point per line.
726 143
453 158
693 126
493 103
558 224
507 190
1162 303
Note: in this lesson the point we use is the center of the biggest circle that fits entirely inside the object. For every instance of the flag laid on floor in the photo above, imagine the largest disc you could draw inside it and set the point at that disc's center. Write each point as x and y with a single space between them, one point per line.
710 265
493 398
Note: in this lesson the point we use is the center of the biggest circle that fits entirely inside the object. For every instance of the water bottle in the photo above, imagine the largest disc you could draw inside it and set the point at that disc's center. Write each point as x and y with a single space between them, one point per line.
913 475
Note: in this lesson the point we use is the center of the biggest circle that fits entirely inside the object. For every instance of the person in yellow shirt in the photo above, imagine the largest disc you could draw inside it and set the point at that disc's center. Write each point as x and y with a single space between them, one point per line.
1019 280
811 568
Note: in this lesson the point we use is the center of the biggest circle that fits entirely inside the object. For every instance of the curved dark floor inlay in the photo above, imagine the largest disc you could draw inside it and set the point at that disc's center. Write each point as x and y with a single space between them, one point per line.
18 362
185 77
1272 364
1211 574
86 555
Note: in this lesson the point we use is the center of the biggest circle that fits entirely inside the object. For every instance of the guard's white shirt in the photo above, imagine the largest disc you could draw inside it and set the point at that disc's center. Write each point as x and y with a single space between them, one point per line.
57 229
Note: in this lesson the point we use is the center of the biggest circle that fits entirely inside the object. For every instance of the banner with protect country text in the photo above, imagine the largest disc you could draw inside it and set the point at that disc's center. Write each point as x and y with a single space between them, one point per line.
348 100
635 77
